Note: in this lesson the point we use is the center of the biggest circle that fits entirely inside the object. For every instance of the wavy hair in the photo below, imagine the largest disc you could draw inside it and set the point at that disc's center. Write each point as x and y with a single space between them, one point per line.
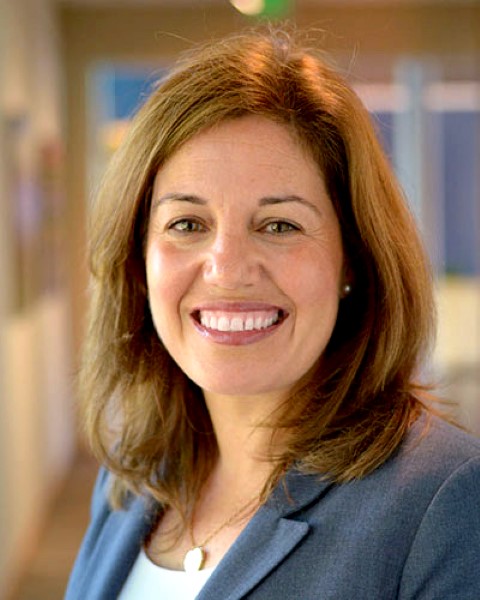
145 420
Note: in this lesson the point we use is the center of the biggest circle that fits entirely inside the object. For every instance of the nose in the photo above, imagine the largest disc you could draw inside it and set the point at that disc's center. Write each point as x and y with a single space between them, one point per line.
232 261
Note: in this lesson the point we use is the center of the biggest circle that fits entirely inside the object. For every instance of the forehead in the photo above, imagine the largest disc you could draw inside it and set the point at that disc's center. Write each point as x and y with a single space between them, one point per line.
248 148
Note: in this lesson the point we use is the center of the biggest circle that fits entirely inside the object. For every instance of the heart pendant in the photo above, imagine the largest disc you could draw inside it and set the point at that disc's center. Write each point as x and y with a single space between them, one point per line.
194 559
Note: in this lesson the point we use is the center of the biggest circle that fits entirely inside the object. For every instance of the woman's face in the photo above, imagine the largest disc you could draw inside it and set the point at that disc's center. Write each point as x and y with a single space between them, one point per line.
244 259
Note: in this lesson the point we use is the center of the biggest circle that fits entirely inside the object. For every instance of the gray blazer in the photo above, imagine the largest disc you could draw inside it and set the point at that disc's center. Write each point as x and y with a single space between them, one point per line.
410 530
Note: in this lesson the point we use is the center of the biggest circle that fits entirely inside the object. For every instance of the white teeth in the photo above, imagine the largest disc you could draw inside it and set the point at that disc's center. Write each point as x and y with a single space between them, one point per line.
238 321
223 324
236 324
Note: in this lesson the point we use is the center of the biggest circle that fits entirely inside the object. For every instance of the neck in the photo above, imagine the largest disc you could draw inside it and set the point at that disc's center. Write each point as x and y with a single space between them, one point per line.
245 439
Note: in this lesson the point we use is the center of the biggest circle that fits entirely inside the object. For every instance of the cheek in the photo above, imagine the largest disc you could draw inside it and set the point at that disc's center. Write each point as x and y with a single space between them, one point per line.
167 278
312 277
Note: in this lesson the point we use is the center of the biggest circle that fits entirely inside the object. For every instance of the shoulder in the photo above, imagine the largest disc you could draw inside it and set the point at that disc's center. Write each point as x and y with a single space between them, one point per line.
434 456
434 450
414 521
436 433
443 465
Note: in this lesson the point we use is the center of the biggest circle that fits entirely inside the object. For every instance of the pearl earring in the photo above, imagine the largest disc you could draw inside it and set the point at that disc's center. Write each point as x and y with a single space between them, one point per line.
347 288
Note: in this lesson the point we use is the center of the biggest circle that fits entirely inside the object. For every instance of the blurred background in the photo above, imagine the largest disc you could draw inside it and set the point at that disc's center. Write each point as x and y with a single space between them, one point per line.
72 72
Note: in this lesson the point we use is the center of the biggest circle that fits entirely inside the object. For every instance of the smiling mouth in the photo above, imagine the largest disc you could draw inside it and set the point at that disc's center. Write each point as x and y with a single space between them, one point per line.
233 322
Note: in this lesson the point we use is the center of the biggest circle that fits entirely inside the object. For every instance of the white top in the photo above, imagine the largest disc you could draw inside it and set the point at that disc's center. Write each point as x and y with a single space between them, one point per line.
148 581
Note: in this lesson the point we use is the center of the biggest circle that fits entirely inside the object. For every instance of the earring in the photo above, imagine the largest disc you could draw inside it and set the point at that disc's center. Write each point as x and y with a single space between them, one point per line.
347 288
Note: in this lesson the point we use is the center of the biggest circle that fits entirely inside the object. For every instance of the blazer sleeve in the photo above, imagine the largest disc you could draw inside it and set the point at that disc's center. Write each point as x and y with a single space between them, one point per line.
443 562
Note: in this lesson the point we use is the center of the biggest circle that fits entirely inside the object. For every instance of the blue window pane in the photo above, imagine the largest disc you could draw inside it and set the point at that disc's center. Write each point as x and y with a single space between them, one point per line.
131 89
460 178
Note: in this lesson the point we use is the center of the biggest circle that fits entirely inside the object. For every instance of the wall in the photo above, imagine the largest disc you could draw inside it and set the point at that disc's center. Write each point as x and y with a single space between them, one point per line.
37 424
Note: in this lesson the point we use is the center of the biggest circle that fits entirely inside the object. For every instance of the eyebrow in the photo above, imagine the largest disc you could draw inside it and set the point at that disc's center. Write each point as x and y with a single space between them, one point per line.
264 201
178 197
269 200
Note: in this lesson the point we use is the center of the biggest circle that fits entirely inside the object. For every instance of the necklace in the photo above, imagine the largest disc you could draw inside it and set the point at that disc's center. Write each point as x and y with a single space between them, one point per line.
194 558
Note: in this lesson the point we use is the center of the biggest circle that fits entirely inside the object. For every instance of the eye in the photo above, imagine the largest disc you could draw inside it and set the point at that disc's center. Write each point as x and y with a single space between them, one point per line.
186 225
280 227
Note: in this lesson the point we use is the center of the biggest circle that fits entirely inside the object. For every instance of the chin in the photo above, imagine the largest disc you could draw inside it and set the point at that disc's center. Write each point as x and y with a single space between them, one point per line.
239 389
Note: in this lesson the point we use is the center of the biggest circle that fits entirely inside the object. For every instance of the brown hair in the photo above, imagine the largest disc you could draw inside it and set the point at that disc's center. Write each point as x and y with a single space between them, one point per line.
146 421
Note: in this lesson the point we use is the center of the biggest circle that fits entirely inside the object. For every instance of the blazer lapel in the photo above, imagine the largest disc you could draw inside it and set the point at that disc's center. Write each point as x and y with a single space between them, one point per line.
271 535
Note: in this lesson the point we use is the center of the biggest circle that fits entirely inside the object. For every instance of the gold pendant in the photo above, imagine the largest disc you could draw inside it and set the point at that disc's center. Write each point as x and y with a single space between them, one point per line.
194 559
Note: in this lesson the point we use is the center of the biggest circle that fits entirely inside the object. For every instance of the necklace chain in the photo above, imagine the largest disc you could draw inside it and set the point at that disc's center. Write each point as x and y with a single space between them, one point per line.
226 523
195 557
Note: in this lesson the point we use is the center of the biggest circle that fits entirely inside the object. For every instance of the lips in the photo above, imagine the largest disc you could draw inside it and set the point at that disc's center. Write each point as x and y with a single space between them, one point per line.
239 323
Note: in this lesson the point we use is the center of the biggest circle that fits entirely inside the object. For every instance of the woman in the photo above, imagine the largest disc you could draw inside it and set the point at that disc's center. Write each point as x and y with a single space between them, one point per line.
261 304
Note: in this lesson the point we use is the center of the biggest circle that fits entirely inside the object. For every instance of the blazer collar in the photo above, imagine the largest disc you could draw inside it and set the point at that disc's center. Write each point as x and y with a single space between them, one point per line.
273 533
